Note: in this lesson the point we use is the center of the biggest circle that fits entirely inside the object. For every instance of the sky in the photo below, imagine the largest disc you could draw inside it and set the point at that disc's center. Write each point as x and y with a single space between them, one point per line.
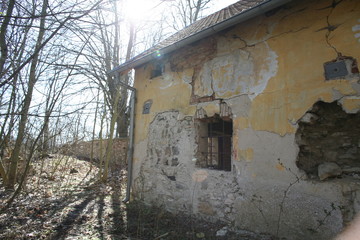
148 14
140 9
220 4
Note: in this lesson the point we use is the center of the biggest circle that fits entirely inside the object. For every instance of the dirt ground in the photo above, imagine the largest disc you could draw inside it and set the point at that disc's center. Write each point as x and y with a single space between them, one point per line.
63 200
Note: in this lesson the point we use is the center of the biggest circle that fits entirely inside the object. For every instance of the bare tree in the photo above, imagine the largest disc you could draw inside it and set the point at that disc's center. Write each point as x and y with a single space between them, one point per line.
3 32
105 49
186 12
29 41
27 100
38 63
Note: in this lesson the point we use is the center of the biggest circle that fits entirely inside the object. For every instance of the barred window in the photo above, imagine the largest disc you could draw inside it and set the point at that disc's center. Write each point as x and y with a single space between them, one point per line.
214 143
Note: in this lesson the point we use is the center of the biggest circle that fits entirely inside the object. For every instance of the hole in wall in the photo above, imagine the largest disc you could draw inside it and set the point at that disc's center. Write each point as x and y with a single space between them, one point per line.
329 142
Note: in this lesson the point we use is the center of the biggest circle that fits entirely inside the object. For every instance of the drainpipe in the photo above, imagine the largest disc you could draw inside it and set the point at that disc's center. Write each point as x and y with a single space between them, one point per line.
131 144
130 151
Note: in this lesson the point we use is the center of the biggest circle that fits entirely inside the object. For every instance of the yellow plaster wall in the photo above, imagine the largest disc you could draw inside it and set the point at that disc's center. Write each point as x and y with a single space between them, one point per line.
351 104
269 71
168 92
300 41
296 39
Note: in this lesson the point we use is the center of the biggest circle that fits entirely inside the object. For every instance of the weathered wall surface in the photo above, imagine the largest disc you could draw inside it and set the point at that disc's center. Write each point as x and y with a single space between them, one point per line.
270 73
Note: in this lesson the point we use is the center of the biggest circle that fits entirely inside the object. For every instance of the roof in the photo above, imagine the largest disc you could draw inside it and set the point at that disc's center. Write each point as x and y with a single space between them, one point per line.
225 18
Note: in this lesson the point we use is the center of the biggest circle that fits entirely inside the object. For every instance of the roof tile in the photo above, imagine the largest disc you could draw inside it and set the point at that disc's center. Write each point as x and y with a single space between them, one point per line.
201 25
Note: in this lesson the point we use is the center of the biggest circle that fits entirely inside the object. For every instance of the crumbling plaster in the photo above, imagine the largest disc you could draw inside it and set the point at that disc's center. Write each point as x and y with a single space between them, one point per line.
238 72
269 71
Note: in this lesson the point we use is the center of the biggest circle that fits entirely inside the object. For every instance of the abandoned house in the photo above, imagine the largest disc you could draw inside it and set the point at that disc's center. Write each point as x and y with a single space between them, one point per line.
251 116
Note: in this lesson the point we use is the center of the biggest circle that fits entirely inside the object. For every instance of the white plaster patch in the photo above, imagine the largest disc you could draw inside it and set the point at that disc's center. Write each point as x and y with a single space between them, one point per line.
240 106
225 70
242 72
354 108
356 28
203 85
187 75
167 81
206 104
268 150
268 71
187 79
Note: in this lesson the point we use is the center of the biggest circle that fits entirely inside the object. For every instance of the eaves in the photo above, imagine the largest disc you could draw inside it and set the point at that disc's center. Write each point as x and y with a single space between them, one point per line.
257 10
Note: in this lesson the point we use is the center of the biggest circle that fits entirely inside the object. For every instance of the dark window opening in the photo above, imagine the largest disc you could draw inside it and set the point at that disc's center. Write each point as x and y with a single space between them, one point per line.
214 144
158 70
147 106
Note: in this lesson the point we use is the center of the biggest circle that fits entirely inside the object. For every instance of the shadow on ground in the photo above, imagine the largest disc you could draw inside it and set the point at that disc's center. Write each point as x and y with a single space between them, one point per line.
73 205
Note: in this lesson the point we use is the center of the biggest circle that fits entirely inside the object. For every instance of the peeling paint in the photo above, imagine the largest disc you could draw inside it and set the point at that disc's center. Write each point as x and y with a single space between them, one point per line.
167 81
356 28
351 104
203 85
269 71
210 108
240 105
246 154
187 75
249 75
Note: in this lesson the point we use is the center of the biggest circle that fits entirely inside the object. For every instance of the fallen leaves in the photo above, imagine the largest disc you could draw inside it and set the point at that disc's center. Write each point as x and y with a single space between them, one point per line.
58 204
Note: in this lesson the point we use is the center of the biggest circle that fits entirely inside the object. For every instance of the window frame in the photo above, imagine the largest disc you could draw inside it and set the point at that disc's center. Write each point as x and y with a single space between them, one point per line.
158 70
215 143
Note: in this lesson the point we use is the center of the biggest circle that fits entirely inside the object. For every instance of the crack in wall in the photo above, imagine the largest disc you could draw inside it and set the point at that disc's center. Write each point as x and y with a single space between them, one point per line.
284 33
331 28
293 13
270 36
173 186
234 36
332 5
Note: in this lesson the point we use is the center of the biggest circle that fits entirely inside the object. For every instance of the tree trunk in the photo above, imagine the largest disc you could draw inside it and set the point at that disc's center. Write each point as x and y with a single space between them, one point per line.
26 104
46 135
109 146
123 120
3 30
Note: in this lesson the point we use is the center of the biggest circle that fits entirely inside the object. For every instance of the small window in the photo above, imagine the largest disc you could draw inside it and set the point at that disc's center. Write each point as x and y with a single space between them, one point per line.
147 106
214 143
158 70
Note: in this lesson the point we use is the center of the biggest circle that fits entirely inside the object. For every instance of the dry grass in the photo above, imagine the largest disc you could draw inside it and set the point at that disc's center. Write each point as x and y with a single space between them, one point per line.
63 200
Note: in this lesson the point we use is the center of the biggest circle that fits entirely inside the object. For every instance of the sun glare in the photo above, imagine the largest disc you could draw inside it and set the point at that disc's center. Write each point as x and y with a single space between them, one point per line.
137 10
